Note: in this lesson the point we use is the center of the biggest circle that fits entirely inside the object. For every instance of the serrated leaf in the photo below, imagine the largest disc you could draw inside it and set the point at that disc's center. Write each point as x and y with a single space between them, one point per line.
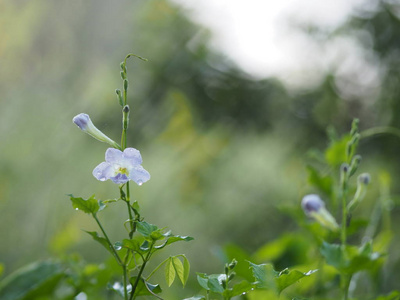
178 266
34 280
267 277
100 240
147 229
169 272
89 206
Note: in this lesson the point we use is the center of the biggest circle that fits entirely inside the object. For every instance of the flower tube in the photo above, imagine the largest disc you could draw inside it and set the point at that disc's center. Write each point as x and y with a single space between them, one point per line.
86 125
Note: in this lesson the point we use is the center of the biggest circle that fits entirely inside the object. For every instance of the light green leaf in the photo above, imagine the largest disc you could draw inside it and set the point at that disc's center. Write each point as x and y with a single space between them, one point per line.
89 206
350 259
170 272
32 281
149 231
186 269
395 295
1 269
202 279
100 240
196 298
178 266
335 154
174 239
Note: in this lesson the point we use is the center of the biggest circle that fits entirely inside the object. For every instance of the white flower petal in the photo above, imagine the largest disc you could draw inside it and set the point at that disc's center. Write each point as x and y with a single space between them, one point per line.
103 171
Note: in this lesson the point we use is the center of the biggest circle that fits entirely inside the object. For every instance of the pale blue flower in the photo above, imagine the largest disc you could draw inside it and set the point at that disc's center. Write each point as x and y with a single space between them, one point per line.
86 125
121 167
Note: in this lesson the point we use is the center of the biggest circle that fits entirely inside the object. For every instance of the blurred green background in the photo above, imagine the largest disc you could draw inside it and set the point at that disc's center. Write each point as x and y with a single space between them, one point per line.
226 151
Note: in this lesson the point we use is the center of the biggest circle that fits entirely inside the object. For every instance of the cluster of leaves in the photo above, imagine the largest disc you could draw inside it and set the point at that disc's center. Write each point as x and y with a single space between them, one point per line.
263 277
138 249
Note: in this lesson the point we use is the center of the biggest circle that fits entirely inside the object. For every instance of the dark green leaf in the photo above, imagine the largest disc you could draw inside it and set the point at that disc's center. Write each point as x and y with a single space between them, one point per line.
215 283
174 239
133 244
34 280
149 231
267 277
100 240
89 206
145 288
238 289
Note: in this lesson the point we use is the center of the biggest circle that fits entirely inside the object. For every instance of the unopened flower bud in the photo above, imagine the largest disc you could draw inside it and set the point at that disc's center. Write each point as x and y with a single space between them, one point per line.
122 75
314 207
354 127
86 125
233 264
355 162
123 67
126 109
364 178
125 84
231 276
119 97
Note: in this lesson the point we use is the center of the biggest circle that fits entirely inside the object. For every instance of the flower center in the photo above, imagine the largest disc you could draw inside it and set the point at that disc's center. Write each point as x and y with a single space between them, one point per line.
122 170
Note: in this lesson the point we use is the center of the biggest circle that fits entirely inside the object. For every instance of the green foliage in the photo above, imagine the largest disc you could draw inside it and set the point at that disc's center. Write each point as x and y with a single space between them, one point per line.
268 278
349 259
102 241
89 206
35 280
145 288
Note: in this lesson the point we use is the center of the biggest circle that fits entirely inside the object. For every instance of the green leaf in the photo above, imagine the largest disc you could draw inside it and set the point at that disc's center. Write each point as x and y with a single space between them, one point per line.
215 283
324 183
100 240
170 272
238 289
174 239
89 206
133 244
196 298
350 259
145 288
267 278
32 281
149 231
1 269
395 295
178 266
335 154
186 269
202 279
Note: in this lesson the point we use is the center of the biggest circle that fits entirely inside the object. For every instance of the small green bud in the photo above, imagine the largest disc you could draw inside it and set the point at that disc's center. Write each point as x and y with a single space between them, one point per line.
226 269
126 109
354 127
119 97
362 182
344 170
364 178
125 84
123 67
233 264
223 283
122 75
231 276
355 162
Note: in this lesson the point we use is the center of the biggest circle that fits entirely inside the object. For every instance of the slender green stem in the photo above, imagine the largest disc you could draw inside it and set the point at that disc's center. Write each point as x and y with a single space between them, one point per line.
380 130
155 270
345 283
139 276
108 240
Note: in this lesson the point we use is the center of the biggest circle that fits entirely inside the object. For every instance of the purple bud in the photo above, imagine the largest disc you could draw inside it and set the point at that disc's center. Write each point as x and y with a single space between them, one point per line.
82 120
312 203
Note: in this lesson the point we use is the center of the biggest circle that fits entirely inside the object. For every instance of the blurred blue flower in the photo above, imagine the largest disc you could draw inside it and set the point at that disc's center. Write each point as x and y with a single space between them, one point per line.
86 125
314 207
121 167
